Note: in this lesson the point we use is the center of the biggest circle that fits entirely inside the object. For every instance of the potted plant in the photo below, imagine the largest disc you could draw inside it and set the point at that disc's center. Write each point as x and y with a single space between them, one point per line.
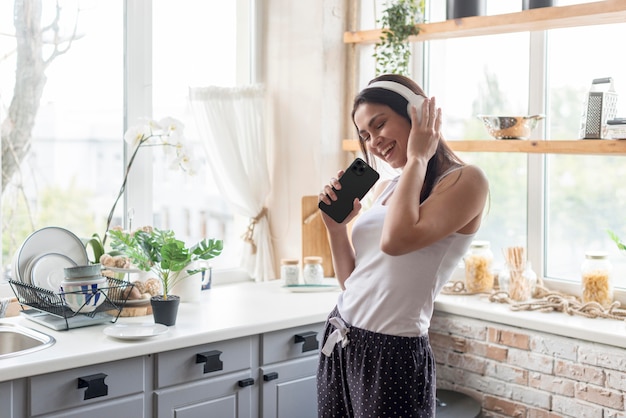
157 250
393 52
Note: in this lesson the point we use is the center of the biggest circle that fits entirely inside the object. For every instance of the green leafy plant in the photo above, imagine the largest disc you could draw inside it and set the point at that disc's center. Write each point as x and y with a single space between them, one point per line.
616 239
157 250
398 21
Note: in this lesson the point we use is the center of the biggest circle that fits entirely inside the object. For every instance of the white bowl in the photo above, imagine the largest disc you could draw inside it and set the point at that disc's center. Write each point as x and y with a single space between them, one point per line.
79 272
84 296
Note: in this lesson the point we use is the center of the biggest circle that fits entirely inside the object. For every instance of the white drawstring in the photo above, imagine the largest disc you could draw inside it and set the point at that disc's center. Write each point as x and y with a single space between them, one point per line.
339 334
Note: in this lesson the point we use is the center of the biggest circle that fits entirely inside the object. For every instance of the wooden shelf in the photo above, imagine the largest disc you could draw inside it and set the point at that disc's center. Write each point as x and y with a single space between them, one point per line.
577 146
596 13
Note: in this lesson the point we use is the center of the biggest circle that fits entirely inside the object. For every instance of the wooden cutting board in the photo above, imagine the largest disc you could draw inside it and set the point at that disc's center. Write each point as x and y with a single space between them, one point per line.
314 238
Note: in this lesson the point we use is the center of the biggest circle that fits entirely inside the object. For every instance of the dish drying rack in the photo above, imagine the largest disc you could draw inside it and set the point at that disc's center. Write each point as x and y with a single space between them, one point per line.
49 309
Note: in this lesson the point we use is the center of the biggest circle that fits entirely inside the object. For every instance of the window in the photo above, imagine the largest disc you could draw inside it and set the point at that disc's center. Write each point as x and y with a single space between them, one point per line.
74 161
559 206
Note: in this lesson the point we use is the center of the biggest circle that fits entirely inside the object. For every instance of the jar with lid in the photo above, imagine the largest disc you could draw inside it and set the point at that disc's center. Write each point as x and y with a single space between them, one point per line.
596 282
290 271
313 272
478 275
519 283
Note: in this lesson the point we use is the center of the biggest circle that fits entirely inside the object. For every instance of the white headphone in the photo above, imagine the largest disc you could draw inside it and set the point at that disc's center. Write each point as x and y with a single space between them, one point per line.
413 98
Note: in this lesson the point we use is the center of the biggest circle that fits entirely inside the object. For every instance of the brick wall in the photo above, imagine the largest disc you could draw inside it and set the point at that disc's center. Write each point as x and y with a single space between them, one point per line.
515 372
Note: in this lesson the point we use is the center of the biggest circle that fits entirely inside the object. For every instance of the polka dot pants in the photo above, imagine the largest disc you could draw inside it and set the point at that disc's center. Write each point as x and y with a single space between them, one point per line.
376 375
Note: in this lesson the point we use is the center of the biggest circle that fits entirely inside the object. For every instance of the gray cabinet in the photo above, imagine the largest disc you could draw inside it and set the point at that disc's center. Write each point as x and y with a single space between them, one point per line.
268 375
289 364
101 390
12 398
211 380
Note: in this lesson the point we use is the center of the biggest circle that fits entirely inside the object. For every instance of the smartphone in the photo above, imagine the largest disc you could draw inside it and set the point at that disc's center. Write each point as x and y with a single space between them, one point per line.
356 181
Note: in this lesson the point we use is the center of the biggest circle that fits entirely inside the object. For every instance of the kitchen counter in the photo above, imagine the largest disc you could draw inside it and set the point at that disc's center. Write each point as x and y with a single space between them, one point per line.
243 309
225 312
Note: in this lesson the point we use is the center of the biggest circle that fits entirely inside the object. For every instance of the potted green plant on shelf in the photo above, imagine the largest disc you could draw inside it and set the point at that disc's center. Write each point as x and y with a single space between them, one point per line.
393 52
159 251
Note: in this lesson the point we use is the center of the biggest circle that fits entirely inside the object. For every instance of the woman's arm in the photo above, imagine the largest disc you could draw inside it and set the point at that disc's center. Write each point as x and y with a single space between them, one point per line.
341 247
455 204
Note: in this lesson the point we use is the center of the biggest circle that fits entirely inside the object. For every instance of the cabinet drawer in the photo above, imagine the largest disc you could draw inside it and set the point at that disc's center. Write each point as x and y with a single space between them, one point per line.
86 385
132 406
204 361
292 343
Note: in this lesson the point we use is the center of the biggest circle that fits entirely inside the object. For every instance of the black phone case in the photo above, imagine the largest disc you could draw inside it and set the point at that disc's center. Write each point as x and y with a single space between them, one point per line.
356 181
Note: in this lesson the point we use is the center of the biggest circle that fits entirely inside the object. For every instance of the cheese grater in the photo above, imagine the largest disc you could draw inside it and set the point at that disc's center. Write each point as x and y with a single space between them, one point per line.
600 106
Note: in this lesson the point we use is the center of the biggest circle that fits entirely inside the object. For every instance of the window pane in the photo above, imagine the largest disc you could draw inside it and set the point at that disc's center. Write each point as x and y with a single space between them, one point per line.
187 53
584 193
71 170
487 75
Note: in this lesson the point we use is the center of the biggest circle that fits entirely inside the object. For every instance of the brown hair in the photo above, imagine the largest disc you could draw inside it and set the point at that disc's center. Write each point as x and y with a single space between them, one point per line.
444 156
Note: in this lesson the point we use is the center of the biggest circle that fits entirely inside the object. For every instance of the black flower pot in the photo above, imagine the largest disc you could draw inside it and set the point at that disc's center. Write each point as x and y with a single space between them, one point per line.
165 311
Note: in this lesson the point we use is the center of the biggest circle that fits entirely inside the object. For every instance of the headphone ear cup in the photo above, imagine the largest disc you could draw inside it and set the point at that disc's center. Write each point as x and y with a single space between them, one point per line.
416 101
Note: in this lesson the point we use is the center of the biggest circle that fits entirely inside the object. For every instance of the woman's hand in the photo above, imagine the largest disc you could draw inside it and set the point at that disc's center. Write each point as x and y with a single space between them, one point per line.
328 196
425 134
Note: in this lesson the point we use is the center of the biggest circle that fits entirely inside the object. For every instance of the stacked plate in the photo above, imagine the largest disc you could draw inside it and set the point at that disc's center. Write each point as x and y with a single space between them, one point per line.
44 255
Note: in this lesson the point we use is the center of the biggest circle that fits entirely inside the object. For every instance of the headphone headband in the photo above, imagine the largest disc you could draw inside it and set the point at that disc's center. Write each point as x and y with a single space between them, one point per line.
411 97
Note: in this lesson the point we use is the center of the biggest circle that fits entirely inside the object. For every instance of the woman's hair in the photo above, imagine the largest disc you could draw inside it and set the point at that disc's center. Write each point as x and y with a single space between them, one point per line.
444 156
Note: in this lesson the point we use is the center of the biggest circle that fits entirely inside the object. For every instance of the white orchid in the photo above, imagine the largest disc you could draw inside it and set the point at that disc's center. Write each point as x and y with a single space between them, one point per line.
166 133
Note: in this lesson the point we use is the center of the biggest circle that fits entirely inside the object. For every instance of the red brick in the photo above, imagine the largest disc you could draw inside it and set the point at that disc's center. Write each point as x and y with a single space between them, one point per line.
600 396
579 372
504 406
466 362
549 383
541 413
508 373
509 338
496 353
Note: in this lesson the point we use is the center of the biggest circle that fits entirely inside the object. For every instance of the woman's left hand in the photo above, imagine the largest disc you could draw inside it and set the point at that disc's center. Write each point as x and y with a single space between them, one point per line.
425 133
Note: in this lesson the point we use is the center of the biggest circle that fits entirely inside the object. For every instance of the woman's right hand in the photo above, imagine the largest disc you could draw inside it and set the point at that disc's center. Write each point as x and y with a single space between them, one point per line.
328 196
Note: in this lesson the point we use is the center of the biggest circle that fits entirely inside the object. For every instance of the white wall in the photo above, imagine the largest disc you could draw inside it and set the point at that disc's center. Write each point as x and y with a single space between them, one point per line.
304 61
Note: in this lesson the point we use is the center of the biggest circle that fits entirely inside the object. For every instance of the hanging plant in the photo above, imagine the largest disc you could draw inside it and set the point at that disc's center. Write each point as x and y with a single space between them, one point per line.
398 21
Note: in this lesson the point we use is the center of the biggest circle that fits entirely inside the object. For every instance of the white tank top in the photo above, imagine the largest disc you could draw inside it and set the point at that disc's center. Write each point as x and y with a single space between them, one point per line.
395 294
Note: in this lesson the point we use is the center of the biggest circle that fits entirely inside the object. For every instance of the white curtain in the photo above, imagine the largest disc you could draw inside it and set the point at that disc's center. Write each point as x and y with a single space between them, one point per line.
232 125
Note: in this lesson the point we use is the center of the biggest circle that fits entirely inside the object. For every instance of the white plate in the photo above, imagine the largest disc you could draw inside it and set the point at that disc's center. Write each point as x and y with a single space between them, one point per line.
134 331
311 288
50 240
47 271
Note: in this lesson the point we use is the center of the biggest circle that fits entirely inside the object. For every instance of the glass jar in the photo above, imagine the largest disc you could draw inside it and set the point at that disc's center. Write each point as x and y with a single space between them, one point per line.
478 274
313 272
518 283
596 282
290 271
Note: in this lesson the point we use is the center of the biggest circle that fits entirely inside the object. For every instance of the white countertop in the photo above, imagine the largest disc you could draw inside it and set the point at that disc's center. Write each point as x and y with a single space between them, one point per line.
248 308
225 312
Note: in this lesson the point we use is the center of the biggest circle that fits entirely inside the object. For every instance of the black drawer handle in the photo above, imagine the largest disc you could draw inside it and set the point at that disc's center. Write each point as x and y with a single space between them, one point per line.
95 385
309 339
270 376
211 360
245 382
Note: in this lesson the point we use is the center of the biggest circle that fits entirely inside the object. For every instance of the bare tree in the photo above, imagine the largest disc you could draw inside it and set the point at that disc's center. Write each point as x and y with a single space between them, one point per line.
30 79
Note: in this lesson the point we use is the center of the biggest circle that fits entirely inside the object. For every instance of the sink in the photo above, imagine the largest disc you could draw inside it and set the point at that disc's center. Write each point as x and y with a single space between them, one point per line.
16 340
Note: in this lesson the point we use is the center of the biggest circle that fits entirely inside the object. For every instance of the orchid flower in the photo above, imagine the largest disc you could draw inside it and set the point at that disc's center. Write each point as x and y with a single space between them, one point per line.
167 133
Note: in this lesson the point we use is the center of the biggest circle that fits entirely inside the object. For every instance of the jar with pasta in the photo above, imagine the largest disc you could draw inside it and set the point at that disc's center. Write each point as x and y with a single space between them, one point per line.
517 278
596 282
478 274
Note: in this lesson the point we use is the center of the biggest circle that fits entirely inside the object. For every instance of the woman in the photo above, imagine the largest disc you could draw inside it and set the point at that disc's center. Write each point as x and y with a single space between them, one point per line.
376 358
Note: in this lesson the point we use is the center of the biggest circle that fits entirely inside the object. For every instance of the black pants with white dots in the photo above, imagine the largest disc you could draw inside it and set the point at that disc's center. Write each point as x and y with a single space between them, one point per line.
376 375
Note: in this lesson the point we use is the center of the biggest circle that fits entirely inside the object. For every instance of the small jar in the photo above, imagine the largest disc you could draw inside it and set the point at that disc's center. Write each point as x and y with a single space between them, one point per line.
313 272
290 271
518 283
596 282
478 275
